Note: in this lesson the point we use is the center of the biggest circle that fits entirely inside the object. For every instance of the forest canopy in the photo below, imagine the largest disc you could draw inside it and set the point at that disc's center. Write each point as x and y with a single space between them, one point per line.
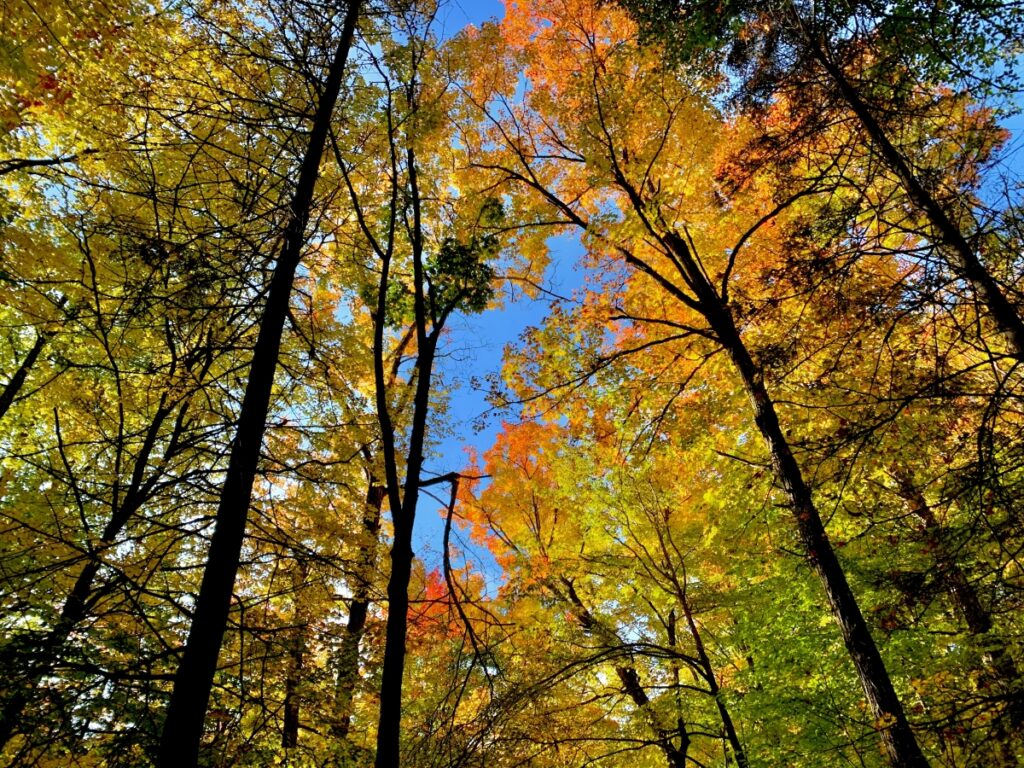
747 492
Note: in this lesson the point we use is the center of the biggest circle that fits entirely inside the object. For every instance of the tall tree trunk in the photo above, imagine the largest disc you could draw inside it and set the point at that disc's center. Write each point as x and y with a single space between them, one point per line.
894 729
389 727
183 728
402 501
897 737
404 517
966 263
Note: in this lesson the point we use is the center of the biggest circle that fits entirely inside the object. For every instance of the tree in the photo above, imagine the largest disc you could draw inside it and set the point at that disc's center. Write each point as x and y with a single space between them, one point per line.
582 111
183 728
128 389
432 254
876 64
636 612
776 370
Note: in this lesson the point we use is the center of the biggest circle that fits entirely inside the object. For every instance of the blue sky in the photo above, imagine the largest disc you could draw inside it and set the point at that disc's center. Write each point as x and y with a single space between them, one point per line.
456 14
473 348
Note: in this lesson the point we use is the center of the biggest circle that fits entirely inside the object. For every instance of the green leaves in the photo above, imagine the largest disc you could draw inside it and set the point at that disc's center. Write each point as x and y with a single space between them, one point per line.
460 275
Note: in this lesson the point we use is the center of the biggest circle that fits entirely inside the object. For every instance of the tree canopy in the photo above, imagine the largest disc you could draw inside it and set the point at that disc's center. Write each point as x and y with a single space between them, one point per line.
747 492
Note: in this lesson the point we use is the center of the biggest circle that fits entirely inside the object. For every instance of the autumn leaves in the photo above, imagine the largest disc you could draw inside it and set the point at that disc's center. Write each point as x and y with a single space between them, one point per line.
755 500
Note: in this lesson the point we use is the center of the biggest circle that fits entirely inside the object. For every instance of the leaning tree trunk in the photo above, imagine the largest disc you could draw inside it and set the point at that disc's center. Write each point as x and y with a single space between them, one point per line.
897 737
17 381
183 728
961 591
675 753
894 729
966 263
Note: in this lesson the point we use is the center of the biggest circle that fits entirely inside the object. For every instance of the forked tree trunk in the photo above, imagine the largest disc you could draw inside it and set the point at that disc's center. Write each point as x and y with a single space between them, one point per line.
403 499
186 712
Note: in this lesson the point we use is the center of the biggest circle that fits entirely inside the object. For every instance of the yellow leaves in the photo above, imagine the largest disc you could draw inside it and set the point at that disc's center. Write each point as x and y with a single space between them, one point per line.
884 721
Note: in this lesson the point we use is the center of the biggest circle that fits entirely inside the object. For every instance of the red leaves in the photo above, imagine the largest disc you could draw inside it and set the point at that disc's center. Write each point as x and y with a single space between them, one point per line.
432 613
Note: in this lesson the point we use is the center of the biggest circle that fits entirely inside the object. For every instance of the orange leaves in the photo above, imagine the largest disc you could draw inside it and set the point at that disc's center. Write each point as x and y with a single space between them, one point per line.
525 515
431 611
518 444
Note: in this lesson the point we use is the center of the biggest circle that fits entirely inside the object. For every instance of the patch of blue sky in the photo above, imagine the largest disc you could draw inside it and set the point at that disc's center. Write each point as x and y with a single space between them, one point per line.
472 353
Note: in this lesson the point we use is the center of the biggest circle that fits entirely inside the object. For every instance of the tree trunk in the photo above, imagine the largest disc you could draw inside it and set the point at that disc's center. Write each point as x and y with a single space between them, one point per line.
389 728
967 265
890 719
402 501
709 675
675 755
10 391
897 737
393 666
183 728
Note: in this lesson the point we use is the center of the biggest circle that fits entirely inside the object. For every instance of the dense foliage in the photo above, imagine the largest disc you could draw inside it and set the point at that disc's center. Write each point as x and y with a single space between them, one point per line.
756 496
